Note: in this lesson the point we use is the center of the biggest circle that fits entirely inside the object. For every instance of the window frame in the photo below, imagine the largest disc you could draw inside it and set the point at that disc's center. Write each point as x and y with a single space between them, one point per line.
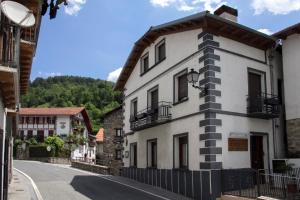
116 132
132 107
263 79
156 87
176 87
116 154
130 157
174 156
143 71
161 42
149 165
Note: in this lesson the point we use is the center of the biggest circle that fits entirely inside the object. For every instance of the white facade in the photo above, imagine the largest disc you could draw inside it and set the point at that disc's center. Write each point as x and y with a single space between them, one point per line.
291 71
60 125
236 59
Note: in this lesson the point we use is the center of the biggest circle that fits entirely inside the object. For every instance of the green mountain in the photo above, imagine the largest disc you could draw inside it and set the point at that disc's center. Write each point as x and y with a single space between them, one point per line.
66 91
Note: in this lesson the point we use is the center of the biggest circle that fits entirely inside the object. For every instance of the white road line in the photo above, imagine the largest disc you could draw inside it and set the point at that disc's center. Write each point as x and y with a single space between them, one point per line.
104 177
36 190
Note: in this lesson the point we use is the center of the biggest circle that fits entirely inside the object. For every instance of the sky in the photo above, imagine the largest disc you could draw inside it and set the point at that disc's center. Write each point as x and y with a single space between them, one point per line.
93 38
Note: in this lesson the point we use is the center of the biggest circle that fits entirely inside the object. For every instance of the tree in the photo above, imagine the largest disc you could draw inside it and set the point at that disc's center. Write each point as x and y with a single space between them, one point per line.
96 95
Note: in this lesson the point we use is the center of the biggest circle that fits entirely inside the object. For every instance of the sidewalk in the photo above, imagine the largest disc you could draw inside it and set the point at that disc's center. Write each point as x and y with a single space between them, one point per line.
21 188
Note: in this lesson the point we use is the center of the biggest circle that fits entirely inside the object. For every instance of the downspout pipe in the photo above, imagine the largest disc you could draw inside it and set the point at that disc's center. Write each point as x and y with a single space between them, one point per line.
271 66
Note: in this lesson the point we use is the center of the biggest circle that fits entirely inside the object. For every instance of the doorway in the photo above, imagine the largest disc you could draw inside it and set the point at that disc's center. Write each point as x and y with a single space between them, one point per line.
257 152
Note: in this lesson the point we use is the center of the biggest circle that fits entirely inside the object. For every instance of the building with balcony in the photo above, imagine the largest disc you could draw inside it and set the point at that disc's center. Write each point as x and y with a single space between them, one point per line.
233 117
44 122
16 55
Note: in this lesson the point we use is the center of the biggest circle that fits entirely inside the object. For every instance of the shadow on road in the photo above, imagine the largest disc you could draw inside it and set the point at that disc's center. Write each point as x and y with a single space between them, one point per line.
94 187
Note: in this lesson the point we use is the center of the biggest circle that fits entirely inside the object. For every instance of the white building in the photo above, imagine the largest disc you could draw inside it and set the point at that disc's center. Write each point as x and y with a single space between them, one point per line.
44 122
237 121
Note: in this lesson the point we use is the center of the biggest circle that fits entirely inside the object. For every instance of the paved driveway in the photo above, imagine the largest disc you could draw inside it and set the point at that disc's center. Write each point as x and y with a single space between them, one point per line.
59 183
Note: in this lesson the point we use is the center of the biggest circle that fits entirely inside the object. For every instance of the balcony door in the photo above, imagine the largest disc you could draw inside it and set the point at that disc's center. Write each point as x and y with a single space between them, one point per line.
255 91
153 103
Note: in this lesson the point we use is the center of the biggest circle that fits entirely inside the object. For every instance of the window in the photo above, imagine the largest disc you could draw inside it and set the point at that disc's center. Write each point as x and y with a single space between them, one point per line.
256 90
180 86
152 153
153 98
134 107
160 51
50 133
40 136
133 155
181 151
119 132
29 134
144 63
22 135
118 154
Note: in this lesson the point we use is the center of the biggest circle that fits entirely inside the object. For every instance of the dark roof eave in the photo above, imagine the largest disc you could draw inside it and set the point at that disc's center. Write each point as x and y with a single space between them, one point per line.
283 34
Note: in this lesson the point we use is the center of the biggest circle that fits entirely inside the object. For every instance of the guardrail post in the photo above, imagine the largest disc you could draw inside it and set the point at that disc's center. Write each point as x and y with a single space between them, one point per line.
258 182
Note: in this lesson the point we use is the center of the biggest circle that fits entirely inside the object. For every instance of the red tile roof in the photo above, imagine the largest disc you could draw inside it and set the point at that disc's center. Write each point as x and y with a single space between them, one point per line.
51 111
100 135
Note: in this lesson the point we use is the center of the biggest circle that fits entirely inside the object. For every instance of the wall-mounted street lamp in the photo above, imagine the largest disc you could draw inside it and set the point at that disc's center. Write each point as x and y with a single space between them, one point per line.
193 78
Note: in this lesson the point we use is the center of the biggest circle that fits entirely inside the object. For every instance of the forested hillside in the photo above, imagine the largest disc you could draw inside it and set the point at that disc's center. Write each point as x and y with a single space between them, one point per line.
66 91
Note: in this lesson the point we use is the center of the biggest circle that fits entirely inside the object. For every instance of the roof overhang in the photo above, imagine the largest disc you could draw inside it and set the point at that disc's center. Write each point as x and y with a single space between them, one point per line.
283 34
209 23
29 39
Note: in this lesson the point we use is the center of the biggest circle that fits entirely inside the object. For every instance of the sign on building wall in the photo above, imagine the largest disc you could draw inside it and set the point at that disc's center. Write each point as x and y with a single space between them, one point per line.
237 144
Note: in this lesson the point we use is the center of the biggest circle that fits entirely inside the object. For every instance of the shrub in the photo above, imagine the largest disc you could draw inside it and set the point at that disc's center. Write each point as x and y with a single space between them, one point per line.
56 144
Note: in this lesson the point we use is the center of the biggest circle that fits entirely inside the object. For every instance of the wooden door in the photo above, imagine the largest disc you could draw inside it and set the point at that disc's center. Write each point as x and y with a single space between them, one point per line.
257 152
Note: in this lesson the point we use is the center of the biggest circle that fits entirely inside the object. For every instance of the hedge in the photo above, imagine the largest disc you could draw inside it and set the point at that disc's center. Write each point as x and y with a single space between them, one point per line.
38 151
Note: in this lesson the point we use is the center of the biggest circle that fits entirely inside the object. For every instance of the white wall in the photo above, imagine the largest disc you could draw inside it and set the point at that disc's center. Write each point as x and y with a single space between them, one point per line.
234 88
164 135
60 121
291 71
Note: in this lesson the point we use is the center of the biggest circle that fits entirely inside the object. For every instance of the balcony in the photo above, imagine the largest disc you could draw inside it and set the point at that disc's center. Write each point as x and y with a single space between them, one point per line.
264 106
150 117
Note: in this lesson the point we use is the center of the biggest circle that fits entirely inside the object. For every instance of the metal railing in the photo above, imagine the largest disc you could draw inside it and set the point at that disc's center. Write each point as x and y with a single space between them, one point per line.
252 183
151 116
263 105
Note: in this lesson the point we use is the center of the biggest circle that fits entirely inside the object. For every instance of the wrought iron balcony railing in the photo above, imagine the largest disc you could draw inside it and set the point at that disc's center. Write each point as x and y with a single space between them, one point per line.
264 106
151 116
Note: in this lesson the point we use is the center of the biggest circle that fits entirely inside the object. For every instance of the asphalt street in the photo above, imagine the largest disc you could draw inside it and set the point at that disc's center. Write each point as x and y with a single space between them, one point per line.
63 183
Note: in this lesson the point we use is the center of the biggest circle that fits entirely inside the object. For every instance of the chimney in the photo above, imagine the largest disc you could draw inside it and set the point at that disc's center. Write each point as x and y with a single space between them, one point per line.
227 12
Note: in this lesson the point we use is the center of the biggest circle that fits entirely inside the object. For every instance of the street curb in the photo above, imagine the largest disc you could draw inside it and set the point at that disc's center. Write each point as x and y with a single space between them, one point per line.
35 188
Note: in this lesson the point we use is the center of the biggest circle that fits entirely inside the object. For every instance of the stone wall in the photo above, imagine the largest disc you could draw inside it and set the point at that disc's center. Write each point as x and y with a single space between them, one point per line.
91 168
293 137
112 121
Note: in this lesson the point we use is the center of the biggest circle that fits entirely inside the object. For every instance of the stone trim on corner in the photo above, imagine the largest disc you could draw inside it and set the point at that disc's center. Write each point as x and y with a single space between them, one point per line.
210 94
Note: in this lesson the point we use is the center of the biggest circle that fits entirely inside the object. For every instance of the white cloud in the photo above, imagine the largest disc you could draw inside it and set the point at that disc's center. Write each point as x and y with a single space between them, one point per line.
162 3
189 5
48 74
266 31
114 75
74 6
276 7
